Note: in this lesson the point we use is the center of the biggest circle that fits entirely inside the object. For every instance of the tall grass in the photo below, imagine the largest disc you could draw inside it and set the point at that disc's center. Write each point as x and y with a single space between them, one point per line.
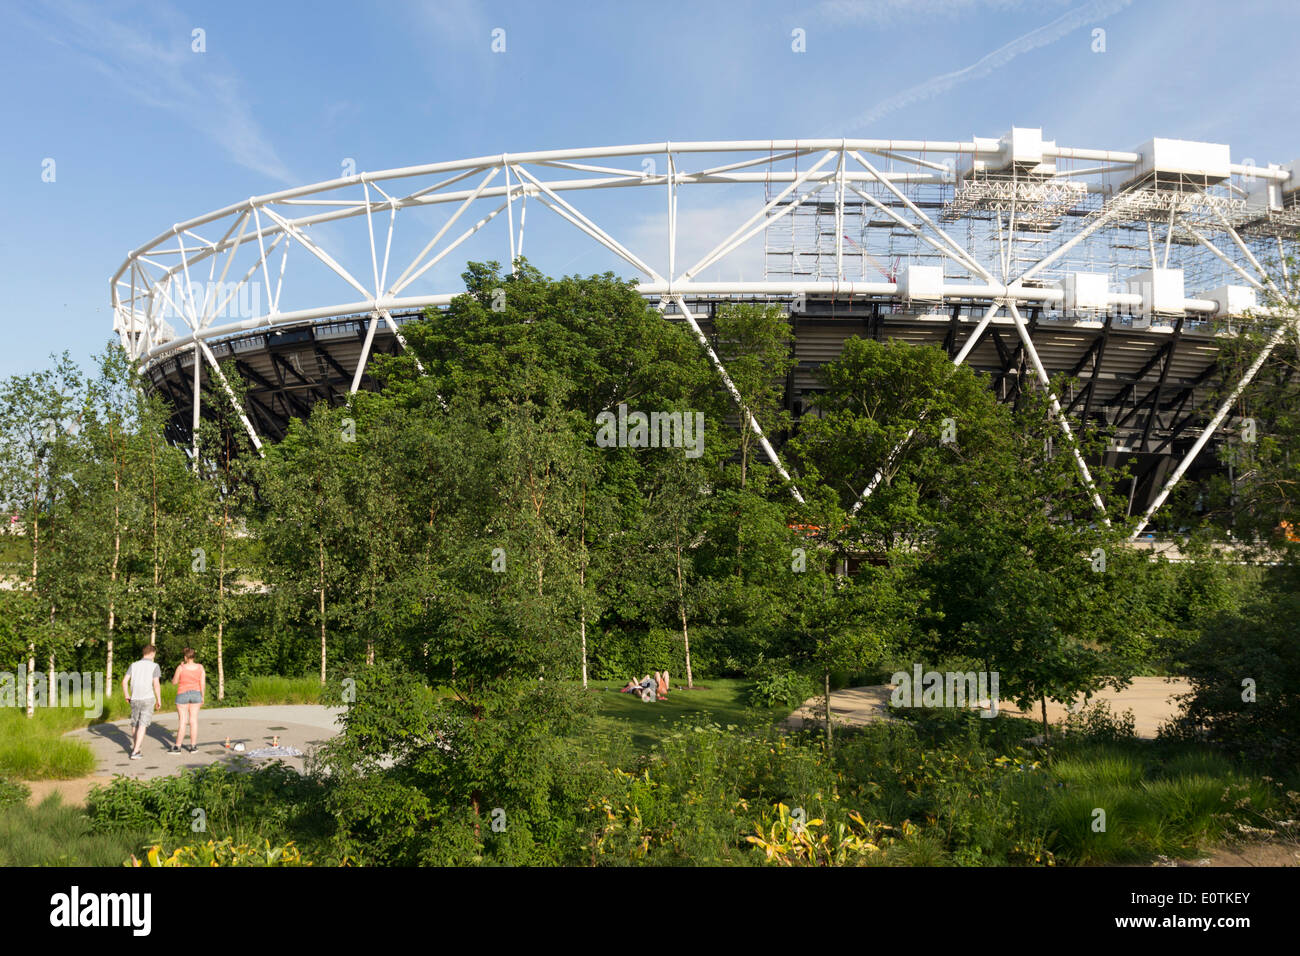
35 748
271 690
54 834
1154 804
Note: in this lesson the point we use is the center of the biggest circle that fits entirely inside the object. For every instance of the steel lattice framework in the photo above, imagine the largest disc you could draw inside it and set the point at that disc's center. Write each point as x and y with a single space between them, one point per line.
1017 255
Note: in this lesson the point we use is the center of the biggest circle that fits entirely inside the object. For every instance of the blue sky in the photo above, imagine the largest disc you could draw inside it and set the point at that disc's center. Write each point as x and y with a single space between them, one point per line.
145 132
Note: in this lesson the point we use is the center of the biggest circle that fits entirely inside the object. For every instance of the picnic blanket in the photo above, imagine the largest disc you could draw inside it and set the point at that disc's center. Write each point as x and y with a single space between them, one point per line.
281 751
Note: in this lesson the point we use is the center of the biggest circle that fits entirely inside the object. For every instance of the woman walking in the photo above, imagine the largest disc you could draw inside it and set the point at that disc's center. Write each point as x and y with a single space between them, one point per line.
191 681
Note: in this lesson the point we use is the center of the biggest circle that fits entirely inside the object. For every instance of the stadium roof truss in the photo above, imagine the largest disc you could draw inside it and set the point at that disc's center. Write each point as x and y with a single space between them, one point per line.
1092 238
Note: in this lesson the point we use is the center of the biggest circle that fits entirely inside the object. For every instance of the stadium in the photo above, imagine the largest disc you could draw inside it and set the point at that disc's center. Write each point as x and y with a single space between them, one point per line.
1123 270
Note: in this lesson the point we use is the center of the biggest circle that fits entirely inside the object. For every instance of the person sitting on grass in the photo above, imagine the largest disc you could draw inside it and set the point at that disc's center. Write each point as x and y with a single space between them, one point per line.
142 686
661 684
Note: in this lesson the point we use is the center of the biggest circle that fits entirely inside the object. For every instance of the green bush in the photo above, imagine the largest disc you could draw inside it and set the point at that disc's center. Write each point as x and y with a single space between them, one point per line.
273 802
1096 722
1245 677
775 686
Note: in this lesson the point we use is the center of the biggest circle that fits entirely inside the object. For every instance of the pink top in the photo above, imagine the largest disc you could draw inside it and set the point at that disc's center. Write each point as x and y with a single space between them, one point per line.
189 678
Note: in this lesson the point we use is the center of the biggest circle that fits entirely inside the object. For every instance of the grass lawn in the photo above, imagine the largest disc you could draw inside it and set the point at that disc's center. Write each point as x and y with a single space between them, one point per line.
624 718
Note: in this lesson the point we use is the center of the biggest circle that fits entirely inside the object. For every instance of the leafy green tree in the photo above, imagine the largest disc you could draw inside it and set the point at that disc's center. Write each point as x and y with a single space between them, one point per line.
228 468
308 524
1030 583
1244 671
35 412
756 344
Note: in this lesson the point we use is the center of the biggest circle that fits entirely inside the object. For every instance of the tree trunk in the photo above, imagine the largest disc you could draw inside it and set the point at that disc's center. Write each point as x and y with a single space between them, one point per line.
582 589
31 677
117 557
36 540
221 606
681 605
1043 701
582 624
321 552
826 684
153 474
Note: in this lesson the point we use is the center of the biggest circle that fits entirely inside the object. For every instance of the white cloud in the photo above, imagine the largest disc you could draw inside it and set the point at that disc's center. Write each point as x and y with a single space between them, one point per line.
206 96
895 11
1068 22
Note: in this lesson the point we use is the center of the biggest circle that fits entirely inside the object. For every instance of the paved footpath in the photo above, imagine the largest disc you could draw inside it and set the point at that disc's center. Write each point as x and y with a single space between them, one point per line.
302 726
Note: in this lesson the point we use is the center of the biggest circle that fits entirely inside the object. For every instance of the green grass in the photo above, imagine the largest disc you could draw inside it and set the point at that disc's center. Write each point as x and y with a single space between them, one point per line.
624 718
35 749
54 834
1156 803
281 690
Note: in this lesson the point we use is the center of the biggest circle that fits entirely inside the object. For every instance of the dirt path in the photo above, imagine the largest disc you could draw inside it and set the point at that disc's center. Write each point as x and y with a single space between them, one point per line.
72 792
1150 698
1241 854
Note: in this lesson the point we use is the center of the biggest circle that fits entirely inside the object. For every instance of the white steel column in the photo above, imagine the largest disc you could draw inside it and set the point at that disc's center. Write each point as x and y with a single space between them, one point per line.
735 394
194 421
1056 409
1212 427
239 410
365 354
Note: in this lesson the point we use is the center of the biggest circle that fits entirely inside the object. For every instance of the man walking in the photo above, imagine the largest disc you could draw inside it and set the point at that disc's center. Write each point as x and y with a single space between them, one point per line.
142 686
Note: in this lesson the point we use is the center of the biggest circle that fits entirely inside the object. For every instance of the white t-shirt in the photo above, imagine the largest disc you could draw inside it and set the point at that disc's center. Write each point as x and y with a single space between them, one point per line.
140 678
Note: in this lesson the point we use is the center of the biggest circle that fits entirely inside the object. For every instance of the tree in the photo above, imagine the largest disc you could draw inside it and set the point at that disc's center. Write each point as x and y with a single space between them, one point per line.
228 467
837 621
307 520
756 344
1029 581
35 411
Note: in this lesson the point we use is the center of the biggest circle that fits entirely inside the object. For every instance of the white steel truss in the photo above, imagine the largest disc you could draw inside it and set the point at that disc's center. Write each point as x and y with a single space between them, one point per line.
1037 226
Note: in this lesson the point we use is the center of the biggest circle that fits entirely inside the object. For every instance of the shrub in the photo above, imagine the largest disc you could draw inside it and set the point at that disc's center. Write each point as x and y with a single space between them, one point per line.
222 853
774 686
273 802
1244 672
1095 721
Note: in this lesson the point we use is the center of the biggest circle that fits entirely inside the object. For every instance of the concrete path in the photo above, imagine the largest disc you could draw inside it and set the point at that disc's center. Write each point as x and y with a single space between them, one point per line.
302 726
1150 699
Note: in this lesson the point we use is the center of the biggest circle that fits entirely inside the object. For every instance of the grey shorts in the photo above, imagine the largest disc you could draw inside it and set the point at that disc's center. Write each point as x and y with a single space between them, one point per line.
190 697
141 713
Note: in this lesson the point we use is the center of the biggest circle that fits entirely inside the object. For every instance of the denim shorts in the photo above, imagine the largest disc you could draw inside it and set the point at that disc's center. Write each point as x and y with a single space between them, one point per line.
190 697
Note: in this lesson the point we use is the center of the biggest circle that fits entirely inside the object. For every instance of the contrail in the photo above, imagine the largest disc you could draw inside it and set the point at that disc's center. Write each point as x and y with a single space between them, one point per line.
1069 21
